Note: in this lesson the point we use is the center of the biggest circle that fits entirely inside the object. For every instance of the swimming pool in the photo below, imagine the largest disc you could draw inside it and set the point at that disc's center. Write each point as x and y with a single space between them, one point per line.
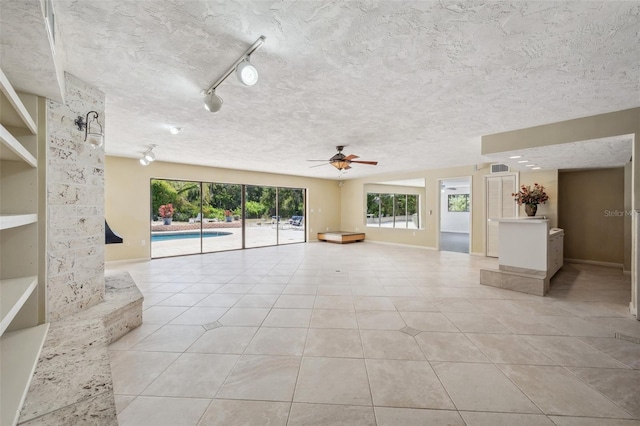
186 235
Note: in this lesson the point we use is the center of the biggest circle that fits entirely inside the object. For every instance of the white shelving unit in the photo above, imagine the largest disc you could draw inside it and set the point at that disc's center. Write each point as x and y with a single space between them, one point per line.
22 327
8 221
15 292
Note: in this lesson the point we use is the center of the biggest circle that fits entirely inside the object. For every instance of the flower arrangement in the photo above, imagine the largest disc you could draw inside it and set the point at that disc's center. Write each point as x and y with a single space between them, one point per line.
166 210
529 196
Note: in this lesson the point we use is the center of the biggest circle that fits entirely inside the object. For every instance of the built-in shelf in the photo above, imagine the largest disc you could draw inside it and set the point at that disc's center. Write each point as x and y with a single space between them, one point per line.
14 220
13 150
18 110
19 351
21 293
15 292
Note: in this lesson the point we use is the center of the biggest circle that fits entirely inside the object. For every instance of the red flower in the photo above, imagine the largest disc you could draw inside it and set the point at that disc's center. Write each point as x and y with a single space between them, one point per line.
166 210
526 195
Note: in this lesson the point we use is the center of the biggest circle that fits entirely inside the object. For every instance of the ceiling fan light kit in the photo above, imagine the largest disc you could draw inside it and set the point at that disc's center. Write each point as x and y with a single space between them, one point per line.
343 162
245 71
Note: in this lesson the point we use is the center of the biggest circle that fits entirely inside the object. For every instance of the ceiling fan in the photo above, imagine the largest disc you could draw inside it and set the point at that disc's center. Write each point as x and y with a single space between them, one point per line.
342 162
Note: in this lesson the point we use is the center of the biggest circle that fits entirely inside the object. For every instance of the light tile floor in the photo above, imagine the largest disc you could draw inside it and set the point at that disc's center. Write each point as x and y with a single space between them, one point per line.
365 334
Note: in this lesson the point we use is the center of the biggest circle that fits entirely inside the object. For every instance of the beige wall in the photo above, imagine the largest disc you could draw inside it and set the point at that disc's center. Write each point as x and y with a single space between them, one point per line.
354 204
127 198
625 122
592 214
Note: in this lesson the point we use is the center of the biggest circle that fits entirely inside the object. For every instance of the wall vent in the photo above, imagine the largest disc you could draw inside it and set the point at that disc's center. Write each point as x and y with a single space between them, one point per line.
498 168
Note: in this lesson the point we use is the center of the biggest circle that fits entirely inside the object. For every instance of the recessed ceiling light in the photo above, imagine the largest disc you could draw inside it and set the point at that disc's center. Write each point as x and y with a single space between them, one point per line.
535 168
523 161
175 130
513 157
530 165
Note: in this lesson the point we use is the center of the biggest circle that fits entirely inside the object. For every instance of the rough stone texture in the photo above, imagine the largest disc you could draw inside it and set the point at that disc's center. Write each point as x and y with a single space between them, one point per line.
412 84
75 203
72 382
73 368
99 410
121 310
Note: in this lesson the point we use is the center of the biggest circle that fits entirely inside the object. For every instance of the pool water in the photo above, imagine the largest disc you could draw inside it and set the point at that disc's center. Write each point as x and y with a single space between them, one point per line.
186 235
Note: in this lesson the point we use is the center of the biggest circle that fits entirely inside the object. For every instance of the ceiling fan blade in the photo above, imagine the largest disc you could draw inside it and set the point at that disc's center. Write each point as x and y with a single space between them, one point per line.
351 157
319 165
371 163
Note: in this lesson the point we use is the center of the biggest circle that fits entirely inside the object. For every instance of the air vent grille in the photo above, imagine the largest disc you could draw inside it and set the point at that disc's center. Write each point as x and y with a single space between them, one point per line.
498 168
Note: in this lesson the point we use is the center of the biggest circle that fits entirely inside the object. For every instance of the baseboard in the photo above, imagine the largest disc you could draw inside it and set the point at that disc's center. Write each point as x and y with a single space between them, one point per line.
400 245
595 262
125 261
477 253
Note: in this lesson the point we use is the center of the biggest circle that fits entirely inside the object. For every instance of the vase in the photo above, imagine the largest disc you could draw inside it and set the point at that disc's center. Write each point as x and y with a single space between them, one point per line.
531 209
167 220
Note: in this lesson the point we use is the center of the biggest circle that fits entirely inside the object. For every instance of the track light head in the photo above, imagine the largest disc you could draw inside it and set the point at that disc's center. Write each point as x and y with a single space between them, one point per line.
213 102
150 156
247 73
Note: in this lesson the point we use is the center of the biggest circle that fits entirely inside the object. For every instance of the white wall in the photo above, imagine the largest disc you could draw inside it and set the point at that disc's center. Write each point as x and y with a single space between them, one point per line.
453 221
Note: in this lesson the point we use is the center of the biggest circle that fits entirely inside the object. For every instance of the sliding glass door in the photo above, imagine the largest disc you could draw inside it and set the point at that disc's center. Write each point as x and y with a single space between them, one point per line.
174 206
202 217
222 214
291 204
261 219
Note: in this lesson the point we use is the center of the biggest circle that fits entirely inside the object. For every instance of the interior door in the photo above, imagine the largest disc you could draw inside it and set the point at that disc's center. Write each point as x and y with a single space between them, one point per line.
500 204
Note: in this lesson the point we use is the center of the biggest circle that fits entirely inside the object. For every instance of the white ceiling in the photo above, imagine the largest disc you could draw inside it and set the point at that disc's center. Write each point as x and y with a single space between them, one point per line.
606 152
412 84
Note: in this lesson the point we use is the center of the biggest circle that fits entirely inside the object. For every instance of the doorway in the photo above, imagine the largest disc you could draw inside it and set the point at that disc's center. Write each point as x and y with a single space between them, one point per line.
455 214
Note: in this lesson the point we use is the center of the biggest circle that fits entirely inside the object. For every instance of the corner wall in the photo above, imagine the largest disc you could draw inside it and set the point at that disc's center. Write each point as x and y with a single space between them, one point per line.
75 204
127 191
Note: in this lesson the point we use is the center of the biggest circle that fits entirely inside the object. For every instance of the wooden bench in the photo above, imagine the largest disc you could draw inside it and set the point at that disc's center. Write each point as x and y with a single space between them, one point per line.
341 237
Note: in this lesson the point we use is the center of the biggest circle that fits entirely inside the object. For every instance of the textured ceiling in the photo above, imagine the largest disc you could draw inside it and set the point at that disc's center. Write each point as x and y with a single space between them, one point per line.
412 84
607 152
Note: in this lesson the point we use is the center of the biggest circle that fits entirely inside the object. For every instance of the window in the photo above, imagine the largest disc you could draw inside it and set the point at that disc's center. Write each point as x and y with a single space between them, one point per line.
458 203
202 217
392 211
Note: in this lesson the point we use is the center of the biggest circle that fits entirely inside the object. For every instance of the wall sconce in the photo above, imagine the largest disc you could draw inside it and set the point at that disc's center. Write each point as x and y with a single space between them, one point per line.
148 157
92 128
246 72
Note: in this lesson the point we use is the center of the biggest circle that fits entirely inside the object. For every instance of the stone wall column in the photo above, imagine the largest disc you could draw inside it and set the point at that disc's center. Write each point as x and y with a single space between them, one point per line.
75 204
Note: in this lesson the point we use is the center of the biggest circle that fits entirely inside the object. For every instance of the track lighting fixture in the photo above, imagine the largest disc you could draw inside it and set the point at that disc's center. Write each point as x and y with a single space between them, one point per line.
246 72
213 102
92 128
148 157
